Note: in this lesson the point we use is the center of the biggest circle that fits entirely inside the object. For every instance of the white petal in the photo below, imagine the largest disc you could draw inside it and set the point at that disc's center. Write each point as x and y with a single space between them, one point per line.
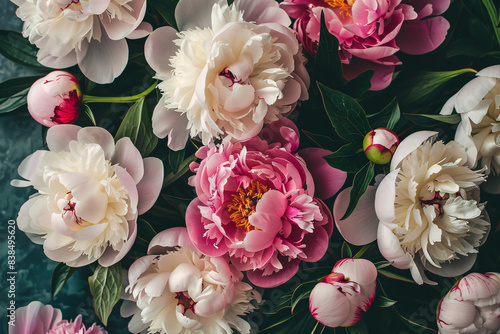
408 145
59 136
159 48
192 14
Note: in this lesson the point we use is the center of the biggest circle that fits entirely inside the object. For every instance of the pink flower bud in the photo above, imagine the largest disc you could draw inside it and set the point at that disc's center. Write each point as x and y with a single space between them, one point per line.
341 298
471 306
55 99
379 145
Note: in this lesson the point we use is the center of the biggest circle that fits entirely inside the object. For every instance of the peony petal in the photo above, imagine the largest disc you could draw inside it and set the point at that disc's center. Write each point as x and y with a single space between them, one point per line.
192 14
128 156
117 29
263 11
171 123
422 36
167 239
316 244
390 248
184 277
48 60
143 30
268 225
59 136
100 136
360 228
129 184
148 189
139 267
272 202
159 48
361 271
408 145
454 267
111 256
276 278
90 232
327 180
385 197
30 164
473 92
98 7
328 305
492 71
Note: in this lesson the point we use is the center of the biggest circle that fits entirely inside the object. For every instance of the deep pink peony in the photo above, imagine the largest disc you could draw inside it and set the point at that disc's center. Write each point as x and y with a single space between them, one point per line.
370 32
37 318
256 203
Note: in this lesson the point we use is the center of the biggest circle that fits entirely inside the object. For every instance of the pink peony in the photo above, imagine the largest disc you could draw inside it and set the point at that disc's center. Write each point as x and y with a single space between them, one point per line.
370 32
55 99
341 298
256 203
37 318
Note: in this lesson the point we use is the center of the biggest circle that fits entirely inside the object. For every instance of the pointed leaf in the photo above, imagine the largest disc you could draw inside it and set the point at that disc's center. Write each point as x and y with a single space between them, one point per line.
360 84
429 120
359 328
347 158
13 93
362 251
387 117
183 169
60 276
166 8
381 301
382 264
86 109
361 181
175 159
324 141
18 49
346 251
106 288
395 276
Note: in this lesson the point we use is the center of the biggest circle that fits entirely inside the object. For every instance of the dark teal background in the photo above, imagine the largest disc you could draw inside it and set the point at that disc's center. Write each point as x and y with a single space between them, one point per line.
20 136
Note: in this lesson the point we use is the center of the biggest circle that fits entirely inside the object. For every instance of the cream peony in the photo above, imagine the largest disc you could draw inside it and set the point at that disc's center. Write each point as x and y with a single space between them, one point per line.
90 33
177 289
427 209
478 104
90 192
228 71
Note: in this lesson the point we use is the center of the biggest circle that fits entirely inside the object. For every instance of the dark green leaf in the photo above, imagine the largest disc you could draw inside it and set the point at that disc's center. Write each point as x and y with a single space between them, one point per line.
358 328
175 159
166 8
137 126
346 251
106 288
387 117
493 15
324 141
382 264
361 181
347 158
15 101
362 251
183 169
60 276
346 115
360 84
328 66
417 118
382 301
86 109
300 297
394 276
13 93
18 49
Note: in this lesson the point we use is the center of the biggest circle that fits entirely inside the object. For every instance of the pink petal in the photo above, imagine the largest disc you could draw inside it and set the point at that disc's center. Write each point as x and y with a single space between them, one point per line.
192 14
30 164
272 202
184 277
361 271
98 7
171 123
143 30
282 131
129 185
59 136
100 136
196 230
275 279
316 244
422 36
35 318
328 305
128 156
438 6
165 240
268 227
408 145
381 78
159 48
48 60
456 314
69 257
327 180
119 29
360 228
263 11
148 189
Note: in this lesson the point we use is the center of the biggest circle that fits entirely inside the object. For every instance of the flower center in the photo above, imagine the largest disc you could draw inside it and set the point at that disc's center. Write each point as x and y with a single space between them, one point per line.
343 5
229 75
185 301
342 283
436 202
68 212
244 202
73 5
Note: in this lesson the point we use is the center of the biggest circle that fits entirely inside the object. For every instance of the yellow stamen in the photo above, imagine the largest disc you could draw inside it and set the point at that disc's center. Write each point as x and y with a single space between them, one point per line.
343 5
243 204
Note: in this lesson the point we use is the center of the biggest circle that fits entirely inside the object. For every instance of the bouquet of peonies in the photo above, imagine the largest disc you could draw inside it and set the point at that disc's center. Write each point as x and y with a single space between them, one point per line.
295 166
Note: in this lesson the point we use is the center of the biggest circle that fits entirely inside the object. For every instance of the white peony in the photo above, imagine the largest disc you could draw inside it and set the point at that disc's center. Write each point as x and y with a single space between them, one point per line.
177 289
478 104
90 192
90 33
229 71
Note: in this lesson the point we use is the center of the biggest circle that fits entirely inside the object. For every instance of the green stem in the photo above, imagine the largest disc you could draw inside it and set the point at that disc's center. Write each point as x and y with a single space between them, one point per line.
118 99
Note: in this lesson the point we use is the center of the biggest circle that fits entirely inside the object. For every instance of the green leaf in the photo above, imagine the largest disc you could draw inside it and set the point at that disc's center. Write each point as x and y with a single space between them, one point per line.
493 14
382 264
360 84
395 276
106 288
328 66
15 101
359 328
387 117
424 86
13 93
175 158
86 109
137 126
346 251
60 276
300 297
422 119
324 141
381 301
166 8
362 251
183 169
361 181
346 115
347 158
18 49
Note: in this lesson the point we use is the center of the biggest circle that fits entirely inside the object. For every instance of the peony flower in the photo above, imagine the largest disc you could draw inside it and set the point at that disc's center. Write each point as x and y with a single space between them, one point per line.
471 306
341 298
379 145
90 33
478 104
228 71
177 289
37 318
427 210
370 32
256 203
90 192
55 99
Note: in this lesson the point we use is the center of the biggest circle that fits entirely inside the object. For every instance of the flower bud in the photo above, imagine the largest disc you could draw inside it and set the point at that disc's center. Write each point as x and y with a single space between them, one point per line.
55 99
379 145
341 298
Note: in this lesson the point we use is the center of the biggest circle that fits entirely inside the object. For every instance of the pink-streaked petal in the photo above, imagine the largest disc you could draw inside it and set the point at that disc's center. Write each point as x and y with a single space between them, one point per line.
192 14
59 136
128 156
104 60
159 48
422 36
196 230
167 239
328 305
171 123
361 271
385 197
275 279
148 189
100 136
110 256
143 30
327 180
456 314
408 145
360 228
